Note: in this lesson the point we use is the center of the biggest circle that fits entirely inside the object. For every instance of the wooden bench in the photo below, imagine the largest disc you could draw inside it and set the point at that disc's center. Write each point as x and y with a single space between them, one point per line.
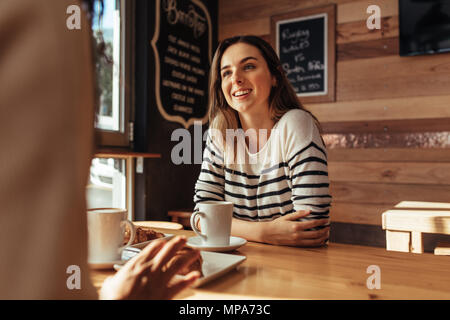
182 216
408 220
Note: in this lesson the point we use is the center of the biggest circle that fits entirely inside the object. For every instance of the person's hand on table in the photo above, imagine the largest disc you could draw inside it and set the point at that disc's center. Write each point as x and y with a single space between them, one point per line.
287 231
146 276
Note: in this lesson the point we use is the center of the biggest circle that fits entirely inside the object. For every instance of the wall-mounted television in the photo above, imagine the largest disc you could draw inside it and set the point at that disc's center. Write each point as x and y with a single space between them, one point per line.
424 26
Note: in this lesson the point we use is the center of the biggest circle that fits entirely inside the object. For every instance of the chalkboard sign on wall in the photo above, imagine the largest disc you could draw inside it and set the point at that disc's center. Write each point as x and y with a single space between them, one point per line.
182 45
305 42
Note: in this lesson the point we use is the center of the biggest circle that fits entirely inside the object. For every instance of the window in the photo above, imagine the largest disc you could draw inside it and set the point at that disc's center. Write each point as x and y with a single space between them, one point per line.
112 31
111 176
107 184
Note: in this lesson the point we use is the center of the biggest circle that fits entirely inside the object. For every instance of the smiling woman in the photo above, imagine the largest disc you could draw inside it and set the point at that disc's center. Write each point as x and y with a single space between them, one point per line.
281 193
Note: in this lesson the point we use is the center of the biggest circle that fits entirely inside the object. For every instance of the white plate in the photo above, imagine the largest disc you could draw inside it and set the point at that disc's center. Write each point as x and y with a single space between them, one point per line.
197 243
214 265
105 265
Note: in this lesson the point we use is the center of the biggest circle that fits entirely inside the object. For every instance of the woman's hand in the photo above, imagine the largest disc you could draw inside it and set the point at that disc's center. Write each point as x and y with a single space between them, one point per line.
287 231
146 277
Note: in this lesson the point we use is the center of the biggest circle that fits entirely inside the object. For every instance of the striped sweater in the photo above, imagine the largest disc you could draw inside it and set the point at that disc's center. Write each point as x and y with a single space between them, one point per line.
288 174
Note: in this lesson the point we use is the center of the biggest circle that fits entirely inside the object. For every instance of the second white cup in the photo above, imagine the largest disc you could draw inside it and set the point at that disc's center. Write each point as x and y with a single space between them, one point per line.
215 222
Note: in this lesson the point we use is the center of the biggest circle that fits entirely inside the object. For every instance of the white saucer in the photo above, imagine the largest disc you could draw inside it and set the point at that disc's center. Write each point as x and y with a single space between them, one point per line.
105 265
197 243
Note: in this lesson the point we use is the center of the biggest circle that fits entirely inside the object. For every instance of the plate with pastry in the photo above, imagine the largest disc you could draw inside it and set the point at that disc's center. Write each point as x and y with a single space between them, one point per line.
144 236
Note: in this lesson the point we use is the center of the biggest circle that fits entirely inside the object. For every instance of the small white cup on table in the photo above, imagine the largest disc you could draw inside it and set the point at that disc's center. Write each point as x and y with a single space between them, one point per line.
215 222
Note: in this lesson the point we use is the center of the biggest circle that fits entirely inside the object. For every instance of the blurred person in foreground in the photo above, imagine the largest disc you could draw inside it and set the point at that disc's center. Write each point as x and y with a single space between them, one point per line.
47 99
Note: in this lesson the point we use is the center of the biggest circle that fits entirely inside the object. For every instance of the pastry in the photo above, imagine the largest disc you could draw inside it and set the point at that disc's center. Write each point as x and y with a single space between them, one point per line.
142 234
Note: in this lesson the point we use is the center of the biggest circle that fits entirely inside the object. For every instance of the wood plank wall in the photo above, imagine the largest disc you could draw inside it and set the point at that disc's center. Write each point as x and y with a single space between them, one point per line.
379 95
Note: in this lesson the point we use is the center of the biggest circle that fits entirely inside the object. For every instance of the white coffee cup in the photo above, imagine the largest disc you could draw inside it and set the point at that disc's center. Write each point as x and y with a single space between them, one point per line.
106 231
215 222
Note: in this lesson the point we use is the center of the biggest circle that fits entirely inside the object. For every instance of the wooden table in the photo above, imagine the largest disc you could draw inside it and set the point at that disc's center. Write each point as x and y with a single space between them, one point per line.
336 272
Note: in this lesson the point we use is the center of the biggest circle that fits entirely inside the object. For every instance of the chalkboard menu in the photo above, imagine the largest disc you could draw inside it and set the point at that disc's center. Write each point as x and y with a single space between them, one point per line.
305 43
182 45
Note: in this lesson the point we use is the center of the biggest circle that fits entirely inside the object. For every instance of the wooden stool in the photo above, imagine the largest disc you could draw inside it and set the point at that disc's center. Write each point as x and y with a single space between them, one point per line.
158 224
182 216
405 224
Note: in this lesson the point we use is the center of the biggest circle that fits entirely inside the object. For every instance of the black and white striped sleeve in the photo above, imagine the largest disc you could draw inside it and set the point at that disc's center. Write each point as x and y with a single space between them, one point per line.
210 183
307 161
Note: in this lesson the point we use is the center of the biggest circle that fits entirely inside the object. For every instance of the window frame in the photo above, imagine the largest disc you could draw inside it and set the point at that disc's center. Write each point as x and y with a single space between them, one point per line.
128 176
124 137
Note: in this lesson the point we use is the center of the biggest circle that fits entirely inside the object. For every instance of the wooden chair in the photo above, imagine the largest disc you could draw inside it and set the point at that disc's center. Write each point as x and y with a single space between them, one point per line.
182 216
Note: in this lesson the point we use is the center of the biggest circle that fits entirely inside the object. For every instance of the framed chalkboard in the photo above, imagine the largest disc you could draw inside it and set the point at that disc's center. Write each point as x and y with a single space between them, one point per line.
183 49
305 42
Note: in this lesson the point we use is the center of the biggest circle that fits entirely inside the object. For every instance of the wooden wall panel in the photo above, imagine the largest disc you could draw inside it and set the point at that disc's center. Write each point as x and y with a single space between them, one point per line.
345 33
234 11
357 10
360 213
386 193
368 49
387 126
427 173
257 27
393 77
389 155
395 66
234 14
396 87
363 181
404 108
357 31
387 140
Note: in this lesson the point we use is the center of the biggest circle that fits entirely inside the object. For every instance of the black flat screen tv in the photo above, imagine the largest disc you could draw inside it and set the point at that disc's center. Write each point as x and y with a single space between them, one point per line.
424 26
